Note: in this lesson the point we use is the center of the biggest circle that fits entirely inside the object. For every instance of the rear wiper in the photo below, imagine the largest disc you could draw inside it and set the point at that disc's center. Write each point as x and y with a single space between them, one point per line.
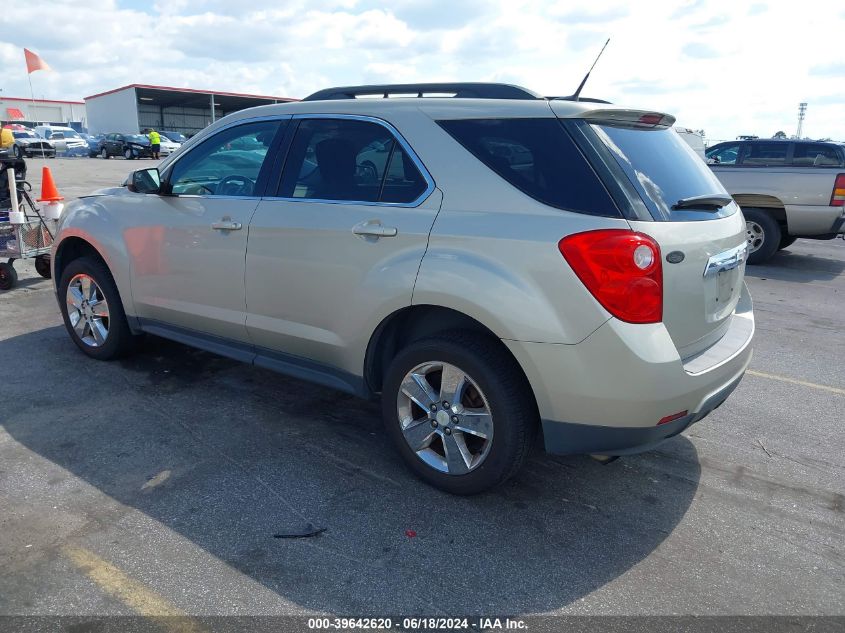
708 201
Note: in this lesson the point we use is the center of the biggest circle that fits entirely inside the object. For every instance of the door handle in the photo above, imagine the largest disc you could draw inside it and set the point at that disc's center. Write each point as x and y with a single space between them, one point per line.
226 225
374 229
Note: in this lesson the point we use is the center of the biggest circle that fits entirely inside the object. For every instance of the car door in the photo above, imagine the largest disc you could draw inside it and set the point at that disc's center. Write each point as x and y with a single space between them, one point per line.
187 247
58 141
338 249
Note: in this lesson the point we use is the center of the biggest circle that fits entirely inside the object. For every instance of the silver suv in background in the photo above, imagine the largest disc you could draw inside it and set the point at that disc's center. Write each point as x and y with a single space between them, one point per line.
491 265
787 189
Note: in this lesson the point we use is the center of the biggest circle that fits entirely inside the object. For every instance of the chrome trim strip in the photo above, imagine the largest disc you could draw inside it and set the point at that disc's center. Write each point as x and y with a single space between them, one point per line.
727 260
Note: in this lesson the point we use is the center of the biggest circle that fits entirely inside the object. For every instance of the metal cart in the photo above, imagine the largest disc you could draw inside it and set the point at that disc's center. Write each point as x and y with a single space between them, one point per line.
30 239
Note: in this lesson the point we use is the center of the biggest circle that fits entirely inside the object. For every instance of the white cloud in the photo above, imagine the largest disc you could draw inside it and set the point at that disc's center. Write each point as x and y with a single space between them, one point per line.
738 68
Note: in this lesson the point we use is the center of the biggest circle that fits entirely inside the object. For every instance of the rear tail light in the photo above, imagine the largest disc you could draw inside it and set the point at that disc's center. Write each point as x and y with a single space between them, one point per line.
837 198
622 270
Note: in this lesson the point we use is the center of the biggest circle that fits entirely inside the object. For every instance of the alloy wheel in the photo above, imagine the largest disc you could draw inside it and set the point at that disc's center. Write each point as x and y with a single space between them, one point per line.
445 417
755 235
87 310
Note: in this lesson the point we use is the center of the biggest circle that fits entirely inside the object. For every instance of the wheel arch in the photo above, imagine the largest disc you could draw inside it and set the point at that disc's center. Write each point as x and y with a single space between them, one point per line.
768 204
413 323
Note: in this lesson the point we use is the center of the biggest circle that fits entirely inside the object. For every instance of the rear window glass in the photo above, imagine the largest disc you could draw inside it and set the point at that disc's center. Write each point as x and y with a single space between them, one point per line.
661 166
765 154
812 155
538 157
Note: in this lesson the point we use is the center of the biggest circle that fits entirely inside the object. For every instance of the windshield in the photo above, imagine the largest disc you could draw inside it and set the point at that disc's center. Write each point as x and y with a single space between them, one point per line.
664 170
26 134
175 136
137 138
67 133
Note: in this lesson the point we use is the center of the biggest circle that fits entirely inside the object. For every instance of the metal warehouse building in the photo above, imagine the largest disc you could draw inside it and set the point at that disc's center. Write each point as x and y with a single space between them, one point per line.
31 112
135 107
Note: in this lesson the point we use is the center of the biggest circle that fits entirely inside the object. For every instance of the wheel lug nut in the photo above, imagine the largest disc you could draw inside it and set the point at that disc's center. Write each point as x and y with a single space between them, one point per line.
445 405
434 424
434 407
447 431
455 419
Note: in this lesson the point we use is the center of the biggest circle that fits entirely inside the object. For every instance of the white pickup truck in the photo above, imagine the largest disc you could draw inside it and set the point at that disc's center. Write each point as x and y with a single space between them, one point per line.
786 188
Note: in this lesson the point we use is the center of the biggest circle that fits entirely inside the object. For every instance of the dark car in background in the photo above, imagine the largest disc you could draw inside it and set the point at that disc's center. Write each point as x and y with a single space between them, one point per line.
127 145
94 141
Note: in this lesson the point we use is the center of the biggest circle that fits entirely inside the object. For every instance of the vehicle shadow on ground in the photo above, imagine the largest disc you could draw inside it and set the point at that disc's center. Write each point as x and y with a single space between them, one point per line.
252 454
799 267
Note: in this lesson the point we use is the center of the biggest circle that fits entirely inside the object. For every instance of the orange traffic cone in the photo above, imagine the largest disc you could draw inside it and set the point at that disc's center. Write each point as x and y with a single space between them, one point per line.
49 193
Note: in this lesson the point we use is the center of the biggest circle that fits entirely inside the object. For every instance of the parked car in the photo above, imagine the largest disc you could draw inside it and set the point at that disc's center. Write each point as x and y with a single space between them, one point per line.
28 143
787 189
176 137
167 146
94 144
130 146
63 139
587 284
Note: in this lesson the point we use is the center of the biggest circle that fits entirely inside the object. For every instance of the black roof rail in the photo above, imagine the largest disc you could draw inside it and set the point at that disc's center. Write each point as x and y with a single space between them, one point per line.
459 90
574 98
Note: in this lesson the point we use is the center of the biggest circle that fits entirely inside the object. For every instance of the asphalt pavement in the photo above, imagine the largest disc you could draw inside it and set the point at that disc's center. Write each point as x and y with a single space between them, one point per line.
159 484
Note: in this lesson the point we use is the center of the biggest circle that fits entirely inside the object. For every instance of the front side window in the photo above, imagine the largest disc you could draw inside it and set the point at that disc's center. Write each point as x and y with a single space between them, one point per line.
355 161
723 154
765 154
538 157
815 155
227 164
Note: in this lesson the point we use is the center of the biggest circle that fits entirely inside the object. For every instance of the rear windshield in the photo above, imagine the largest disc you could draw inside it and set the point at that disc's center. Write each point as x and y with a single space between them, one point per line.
538 157
663 169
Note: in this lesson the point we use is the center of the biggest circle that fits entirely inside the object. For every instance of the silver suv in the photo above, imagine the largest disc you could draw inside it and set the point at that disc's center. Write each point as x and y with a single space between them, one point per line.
490 262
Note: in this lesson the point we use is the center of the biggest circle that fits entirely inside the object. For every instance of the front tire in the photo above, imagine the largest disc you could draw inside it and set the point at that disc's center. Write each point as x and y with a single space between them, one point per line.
17 152
104 153
127 154
763 234
92 310
460 411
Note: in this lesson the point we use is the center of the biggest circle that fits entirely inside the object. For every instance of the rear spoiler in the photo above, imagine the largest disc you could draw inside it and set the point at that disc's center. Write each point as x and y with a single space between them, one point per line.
629 118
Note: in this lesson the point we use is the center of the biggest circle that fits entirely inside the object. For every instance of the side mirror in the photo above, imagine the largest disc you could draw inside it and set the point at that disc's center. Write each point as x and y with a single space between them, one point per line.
145 181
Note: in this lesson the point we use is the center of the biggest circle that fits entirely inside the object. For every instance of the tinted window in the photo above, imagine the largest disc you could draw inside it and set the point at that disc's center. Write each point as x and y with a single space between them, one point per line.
336 159
538 157
661 166
219 166
762 154
723 154
815 155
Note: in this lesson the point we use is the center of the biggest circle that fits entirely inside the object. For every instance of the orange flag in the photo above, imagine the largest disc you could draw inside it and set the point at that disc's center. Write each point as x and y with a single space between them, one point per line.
34 62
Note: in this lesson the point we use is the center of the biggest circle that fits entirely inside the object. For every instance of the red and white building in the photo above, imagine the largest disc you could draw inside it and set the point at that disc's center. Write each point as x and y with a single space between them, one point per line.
31 112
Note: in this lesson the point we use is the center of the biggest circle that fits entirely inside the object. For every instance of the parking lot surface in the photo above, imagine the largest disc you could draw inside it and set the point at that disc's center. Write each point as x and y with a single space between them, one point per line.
159 484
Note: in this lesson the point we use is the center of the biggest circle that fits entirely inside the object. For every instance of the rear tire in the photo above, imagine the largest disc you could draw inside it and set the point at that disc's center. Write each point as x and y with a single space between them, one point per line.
763 234
786 241
8 276
118 339
494 399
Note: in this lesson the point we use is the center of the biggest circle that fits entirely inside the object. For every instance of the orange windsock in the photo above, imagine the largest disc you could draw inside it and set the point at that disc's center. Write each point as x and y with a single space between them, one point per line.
49 193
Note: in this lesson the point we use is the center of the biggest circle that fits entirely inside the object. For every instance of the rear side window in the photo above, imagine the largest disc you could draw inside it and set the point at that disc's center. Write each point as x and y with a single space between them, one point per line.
354 161
663 169
765 154
538 157
815 155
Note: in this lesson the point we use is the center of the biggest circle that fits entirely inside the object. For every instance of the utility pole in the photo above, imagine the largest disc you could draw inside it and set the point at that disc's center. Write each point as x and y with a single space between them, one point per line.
802 109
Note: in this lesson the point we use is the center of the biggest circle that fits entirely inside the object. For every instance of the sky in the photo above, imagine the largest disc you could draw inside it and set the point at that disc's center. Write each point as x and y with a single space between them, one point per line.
727 67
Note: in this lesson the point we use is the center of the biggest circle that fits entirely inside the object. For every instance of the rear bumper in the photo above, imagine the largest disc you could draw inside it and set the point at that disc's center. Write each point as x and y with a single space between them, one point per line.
814 220
607 393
